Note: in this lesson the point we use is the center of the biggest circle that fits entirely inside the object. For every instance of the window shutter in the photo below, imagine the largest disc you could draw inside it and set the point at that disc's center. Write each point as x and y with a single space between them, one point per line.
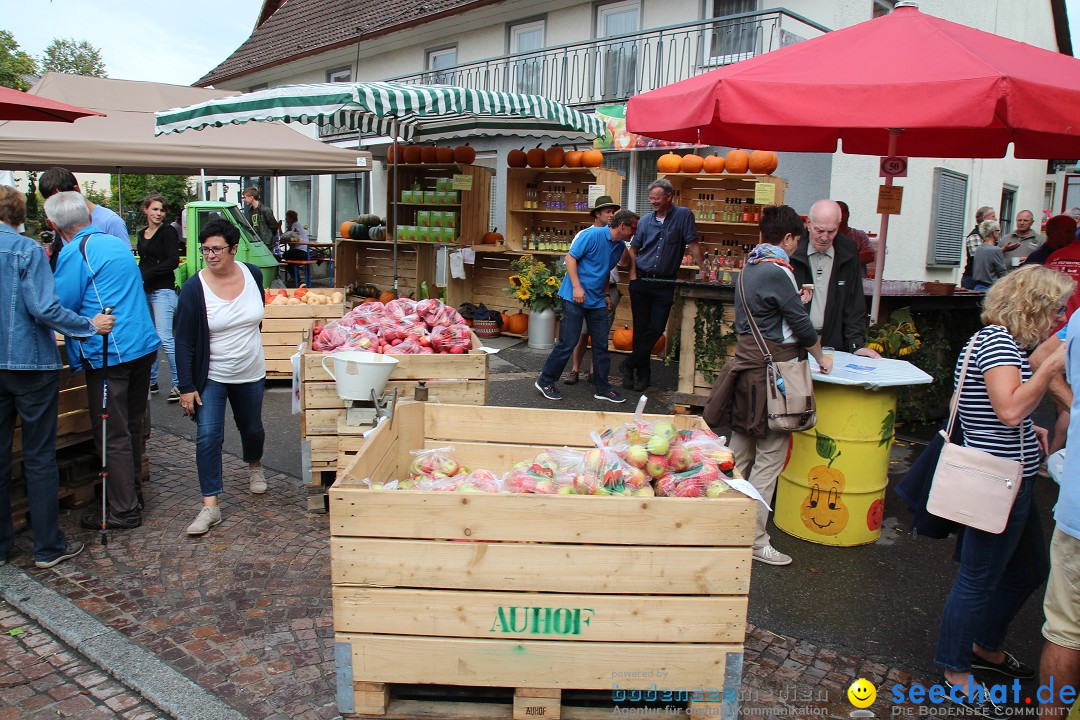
946 247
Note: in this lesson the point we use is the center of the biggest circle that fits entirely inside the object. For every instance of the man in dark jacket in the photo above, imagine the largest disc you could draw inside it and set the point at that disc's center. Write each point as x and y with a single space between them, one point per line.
830 262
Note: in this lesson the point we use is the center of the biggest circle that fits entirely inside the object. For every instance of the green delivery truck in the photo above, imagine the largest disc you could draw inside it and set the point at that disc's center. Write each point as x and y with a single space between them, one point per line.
251 249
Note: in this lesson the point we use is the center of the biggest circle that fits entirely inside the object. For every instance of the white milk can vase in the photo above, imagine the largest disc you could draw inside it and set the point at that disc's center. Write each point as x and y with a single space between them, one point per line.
542 329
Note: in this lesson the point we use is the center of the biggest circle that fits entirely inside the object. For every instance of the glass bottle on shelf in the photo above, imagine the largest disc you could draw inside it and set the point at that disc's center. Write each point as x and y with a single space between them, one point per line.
525 239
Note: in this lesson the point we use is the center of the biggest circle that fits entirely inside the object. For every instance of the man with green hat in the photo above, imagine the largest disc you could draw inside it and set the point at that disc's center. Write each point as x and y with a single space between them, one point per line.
602 212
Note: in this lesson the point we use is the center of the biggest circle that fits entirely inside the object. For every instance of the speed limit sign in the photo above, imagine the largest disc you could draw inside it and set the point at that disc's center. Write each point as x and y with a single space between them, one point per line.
894 166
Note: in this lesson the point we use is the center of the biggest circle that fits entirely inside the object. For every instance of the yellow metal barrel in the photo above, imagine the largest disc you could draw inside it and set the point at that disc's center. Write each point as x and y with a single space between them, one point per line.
832 489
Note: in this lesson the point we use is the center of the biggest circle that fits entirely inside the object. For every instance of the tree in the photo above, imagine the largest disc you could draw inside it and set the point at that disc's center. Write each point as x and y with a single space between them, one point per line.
176 189
74 57
14 63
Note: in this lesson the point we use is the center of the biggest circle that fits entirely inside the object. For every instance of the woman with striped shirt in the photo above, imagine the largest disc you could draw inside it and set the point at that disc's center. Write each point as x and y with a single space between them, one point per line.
998 572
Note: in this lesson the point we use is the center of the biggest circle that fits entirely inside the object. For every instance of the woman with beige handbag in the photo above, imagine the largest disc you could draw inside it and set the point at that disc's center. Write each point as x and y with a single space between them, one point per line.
778 325
998 571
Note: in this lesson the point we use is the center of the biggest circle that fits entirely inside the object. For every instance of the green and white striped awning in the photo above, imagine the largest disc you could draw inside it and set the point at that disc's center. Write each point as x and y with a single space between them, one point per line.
425 112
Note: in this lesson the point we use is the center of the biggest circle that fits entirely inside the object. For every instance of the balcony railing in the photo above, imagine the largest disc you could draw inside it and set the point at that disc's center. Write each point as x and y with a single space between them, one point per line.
611 69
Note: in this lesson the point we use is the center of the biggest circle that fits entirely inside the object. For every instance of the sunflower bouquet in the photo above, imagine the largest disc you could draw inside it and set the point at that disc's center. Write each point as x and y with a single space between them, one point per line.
895 338
535 283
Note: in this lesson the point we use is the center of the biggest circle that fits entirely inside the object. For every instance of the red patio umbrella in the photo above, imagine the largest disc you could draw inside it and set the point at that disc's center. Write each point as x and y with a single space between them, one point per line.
17 105
906 83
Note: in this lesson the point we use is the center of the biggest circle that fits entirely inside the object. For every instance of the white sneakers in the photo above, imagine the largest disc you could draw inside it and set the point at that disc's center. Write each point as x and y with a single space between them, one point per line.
771 556
257 483
207 518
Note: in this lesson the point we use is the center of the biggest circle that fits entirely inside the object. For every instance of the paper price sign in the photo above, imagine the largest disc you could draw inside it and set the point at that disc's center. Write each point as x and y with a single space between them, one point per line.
596 191
461 182
764 194
889 199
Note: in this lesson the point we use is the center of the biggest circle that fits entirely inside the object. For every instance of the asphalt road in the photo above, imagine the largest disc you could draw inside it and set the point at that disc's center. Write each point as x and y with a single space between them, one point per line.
883 599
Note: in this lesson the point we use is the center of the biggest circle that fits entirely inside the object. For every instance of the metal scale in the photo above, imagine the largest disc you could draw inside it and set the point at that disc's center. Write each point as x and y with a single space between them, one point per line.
367 413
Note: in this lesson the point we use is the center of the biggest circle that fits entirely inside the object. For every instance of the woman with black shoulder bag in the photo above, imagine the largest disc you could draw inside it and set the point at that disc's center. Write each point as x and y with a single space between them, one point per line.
999 570
779 319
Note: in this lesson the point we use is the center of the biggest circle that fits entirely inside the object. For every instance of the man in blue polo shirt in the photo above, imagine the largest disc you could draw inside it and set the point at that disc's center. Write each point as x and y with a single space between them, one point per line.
656 253
584 292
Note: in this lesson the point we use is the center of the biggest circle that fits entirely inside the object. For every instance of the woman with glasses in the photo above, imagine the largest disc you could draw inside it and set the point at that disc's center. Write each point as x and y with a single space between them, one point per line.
998 572
219 357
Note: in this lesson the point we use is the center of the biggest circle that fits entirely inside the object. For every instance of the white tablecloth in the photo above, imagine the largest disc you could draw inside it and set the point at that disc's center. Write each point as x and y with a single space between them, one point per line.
870 373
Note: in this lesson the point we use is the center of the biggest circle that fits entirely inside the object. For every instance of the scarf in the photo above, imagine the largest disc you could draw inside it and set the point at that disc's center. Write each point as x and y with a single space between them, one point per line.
764 252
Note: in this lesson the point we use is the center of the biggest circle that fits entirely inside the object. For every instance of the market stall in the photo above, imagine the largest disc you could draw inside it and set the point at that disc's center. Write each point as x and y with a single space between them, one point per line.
832 488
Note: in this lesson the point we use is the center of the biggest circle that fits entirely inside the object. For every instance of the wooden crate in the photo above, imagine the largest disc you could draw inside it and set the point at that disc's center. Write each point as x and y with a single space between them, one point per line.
285 326
457 379
694 387
440 588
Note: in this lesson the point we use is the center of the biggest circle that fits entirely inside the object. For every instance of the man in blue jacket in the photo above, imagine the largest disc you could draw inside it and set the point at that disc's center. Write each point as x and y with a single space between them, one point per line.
30 380
96 271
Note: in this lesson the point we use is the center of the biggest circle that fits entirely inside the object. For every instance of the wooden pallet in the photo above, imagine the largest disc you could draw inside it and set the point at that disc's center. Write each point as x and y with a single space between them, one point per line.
448 702
556 592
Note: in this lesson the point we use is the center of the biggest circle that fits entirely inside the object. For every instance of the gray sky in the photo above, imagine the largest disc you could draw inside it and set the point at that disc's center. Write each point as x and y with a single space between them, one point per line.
142 40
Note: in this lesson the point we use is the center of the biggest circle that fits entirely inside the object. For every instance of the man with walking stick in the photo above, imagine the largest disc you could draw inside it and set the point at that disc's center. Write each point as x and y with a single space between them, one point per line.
30 380
96 271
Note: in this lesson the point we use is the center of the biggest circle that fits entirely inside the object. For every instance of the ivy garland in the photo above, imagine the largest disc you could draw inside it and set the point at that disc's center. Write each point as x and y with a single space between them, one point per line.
713 339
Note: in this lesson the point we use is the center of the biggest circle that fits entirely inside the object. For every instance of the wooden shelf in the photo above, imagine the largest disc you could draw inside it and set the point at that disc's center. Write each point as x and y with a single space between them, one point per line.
576 214
726 224
434 205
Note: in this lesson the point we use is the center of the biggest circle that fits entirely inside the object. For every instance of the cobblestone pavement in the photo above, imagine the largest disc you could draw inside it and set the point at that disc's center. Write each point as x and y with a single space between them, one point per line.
245 611
40 677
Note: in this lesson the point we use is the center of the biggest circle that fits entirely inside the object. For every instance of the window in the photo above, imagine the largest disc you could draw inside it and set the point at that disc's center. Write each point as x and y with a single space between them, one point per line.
341 74
732 40
527 73
946 247
1008 209
350 197
439 61
300 196
616 76
881 7
256 88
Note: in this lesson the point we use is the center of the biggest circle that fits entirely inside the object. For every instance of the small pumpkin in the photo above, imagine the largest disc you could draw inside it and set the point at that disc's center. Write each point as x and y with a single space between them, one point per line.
573 158
369 291
377 232
763 162
369 219
623 339
713 164
386 296
494 237
669 163
390 154
737 161
592 158
536 158
343 231
505 321
429 154
519 323
517 158
411 154
464 154
692 163
444 155
554 157
358 231
658 348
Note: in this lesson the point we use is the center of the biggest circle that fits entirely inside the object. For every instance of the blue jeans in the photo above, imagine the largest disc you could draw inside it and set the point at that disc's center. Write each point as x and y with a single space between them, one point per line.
162 308
573 316
246 400
33 395
997 574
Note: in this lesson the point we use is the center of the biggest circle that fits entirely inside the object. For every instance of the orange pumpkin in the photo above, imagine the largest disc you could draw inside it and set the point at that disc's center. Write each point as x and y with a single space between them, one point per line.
386 296
390 154
345 228
493 238
444 155
555 157
517 158
519 323
763 162
669 163
658 348
429 154
692 163
573 158
411 154
623 339
713 164
505 321
536 158
592 158
737 161
464 154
